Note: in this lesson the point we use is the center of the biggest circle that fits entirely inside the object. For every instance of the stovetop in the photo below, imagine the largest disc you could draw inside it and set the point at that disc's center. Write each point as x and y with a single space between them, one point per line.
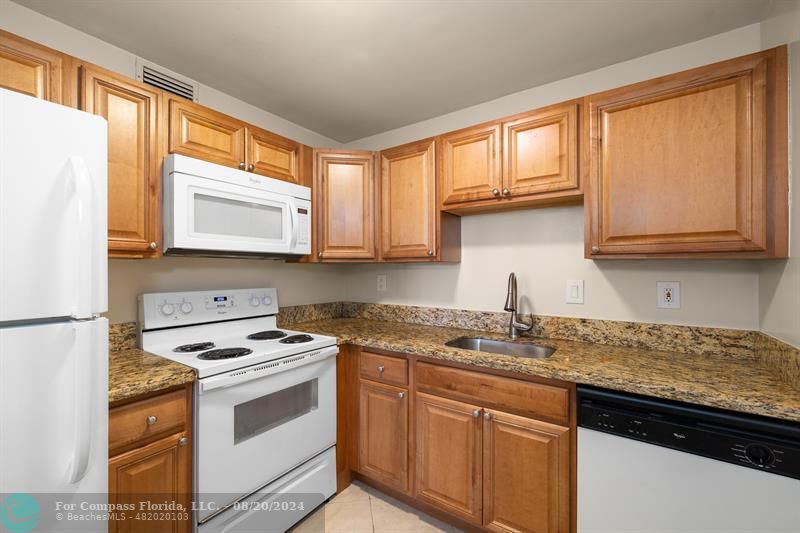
223 346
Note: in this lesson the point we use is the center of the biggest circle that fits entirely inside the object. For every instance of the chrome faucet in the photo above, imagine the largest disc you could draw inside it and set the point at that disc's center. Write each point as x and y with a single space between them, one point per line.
514 327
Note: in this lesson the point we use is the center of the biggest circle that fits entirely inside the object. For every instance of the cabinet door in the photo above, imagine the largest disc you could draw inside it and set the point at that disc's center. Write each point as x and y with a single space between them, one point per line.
345 202
199 132
470 164
272 155
679 164
448 455
30 69
526 466
408 201
540 151
158 472
383 434
134 159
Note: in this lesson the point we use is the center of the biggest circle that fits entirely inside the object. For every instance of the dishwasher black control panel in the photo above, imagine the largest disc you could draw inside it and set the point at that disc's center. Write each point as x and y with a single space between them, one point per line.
756 442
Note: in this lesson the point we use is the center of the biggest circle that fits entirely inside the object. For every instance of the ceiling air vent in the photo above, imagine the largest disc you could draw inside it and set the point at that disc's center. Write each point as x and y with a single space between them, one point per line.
166 80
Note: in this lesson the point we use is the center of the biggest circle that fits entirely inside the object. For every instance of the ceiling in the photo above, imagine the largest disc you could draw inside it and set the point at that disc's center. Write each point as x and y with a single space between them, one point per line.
349 69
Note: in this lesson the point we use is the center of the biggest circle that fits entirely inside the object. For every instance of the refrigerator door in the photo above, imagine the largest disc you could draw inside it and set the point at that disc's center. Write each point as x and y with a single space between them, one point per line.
53 174
53 408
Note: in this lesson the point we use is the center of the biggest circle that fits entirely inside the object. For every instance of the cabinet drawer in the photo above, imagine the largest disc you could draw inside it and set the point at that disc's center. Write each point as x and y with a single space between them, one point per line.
514 395
383 368
132 423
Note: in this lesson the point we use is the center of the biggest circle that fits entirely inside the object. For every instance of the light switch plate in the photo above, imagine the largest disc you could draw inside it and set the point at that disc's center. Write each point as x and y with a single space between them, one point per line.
381 283
669 294
574 291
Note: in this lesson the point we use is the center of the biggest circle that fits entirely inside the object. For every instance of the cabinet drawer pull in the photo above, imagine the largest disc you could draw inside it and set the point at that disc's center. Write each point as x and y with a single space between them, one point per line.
595 249
183 441
153 245
476 413
401 395
152 419
381 368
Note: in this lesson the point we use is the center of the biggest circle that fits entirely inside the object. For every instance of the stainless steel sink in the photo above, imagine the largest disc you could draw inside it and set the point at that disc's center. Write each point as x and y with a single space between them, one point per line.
534 351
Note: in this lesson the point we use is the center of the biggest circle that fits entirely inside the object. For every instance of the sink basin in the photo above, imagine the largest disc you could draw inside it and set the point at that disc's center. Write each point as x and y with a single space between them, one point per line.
534 351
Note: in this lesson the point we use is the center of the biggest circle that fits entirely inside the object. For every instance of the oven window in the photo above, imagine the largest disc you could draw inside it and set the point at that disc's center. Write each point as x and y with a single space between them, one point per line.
262 414
223 216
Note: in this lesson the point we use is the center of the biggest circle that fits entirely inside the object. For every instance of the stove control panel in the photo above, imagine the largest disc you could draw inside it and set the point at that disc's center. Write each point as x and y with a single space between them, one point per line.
168 309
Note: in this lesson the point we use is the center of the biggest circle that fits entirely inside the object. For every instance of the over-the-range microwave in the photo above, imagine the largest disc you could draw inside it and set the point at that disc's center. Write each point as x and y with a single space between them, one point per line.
214 210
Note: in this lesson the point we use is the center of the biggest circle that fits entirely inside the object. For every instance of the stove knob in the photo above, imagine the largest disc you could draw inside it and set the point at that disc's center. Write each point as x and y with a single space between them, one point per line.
267 300
186 308
167 309
759 455
254 301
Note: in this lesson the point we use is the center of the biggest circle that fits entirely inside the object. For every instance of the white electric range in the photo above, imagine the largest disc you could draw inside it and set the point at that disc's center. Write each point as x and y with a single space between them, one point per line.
264 405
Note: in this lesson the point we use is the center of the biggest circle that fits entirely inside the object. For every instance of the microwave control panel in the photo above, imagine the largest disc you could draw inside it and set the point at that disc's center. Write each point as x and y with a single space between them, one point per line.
303 226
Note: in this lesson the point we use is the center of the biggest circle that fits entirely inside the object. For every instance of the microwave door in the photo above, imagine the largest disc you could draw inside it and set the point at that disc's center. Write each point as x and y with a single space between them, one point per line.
216 216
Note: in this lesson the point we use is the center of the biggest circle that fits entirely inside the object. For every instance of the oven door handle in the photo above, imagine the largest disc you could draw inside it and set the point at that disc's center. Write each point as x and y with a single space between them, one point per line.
268 368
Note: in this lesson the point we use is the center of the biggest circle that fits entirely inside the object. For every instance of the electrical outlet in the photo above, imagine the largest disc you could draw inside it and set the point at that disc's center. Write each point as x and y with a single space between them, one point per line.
574 291
381 282
669 294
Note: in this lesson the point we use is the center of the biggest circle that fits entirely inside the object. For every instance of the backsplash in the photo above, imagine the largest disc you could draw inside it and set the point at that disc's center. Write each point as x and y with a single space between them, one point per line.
780 357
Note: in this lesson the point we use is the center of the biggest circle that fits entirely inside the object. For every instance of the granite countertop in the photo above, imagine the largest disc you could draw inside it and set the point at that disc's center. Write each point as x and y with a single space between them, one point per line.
133 372
738 384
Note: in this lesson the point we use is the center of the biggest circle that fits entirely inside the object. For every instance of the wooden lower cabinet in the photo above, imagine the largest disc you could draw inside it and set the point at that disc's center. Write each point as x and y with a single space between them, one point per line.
151 461
473 454
383 435
526 474
448 455
159 473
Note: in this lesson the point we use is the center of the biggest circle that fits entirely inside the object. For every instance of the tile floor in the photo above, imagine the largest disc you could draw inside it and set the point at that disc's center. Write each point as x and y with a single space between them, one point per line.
362 509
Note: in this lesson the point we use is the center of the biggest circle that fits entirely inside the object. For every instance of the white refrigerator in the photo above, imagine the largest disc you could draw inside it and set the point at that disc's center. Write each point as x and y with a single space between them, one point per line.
53 286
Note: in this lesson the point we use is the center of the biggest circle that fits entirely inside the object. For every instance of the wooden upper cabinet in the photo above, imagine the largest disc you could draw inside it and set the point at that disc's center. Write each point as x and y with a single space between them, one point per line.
271 155
692 163
540 151
344 193
470 164
31 69
526 469
197 131
383 434
135 152
408 201
448 455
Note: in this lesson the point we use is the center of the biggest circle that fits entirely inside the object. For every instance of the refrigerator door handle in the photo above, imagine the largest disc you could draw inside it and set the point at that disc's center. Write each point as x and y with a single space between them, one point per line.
84 251
85 353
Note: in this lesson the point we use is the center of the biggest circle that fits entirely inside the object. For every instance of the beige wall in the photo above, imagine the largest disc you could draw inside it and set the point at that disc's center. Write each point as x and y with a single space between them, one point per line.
779 281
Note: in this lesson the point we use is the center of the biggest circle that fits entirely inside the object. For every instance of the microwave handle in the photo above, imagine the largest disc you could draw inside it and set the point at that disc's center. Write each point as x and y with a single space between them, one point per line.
295 223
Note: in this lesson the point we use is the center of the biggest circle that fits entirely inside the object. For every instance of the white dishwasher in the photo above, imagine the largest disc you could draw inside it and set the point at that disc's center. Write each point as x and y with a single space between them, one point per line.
657 466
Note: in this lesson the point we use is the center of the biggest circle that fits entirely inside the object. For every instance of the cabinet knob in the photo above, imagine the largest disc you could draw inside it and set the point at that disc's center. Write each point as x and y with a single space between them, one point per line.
152 419
381 368
506 192
401 395
487 415
476 413
595 249
496 192
430 253
153 245
241 165
319 255
183 441
251 167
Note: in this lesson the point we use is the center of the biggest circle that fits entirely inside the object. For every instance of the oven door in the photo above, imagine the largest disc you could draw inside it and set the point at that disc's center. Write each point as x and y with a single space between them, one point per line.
219 216
250 433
